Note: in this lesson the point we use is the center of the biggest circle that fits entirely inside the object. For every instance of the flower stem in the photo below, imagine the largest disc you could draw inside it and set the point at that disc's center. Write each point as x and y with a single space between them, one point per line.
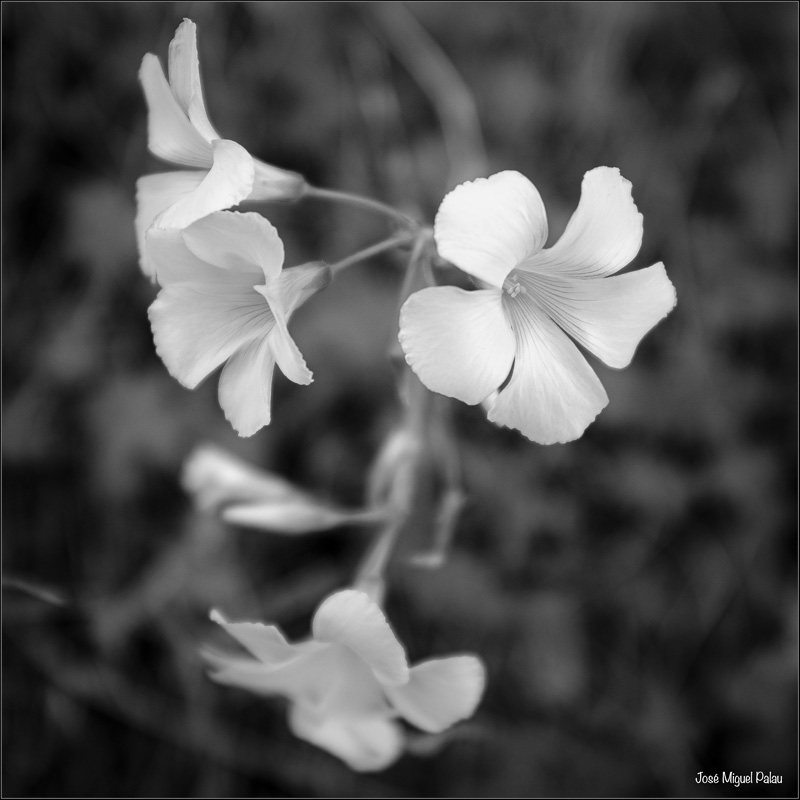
359 201
401 455
372 250
370 574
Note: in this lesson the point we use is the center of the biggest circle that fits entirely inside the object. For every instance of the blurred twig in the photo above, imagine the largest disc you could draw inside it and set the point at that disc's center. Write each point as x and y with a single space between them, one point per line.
382 112
435 74
34 589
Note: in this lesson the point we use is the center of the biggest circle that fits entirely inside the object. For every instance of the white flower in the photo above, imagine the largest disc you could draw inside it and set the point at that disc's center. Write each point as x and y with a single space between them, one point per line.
350 682
254 498
226 298
466 344
178 130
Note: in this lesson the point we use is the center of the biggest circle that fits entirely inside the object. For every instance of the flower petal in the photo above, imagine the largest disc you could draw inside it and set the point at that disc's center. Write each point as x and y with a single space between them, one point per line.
345 687
198 326
287 354
608 316
553 394
298 671
184 78
603 235
458 343
365 744
350 618
488 226
253 676
245 387
154 194
328 680
228 183
295 285
273 183
303 679
284 294
265 642
243 242
440 692
173 262
170 134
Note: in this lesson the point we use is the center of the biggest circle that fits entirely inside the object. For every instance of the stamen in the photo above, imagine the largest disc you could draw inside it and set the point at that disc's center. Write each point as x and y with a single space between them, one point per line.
513 288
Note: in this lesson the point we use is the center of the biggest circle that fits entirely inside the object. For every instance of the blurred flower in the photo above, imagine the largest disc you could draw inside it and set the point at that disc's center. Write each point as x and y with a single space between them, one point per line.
226 298
505 336
217 478
254 498
350 681
178 131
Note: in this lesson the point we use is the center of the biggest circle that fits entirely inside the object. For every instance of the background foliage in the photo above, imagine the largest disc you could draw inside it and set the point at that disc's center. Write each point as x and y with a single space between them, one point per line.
634 594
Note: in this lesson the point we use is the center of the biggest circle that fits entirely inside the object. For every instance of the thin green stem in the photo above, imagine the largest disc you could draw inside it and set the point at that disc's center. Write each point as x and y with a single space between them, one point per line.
373 250
359 201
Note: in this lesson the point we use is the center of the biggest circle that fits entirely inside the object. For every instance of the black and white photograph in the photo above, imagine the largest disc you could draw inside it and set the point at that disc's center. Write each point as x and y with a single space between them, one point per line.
400 399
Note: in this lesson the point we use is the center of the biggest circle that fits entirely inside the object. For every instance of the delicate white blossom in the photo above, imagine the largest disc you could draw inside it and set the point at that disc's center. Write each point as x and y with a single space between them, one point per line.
223 173
254 498
508 337
349 683
226 298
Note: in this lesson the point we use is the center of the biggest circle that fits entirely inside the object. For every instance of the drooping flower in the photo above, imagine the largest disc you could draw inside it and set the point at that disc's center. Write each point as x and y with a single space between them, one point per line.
254 498
223 173
349 683
226 298
506 344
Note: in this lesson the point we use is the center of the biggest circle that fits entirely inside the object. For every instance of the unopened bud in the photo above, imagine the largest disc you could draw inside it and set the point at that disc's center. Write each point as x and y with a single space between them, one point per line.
303 514
215 478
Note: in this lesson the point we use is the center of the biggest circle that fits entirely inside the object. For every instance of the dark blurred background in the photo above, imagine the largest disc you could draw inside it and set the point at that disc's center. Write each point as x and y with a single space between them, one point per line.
634 593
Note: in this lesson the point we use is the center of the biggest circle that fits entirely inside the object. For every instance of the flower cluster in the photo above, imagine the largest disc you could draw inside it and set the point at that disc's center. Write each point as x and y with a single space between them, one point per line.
349 683
224 174
225 300
225 297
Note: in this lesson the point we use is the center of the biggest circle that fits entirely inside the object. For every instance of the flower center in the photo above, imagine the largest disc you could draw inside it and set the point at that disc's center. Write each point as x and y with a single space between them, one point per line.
512 286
